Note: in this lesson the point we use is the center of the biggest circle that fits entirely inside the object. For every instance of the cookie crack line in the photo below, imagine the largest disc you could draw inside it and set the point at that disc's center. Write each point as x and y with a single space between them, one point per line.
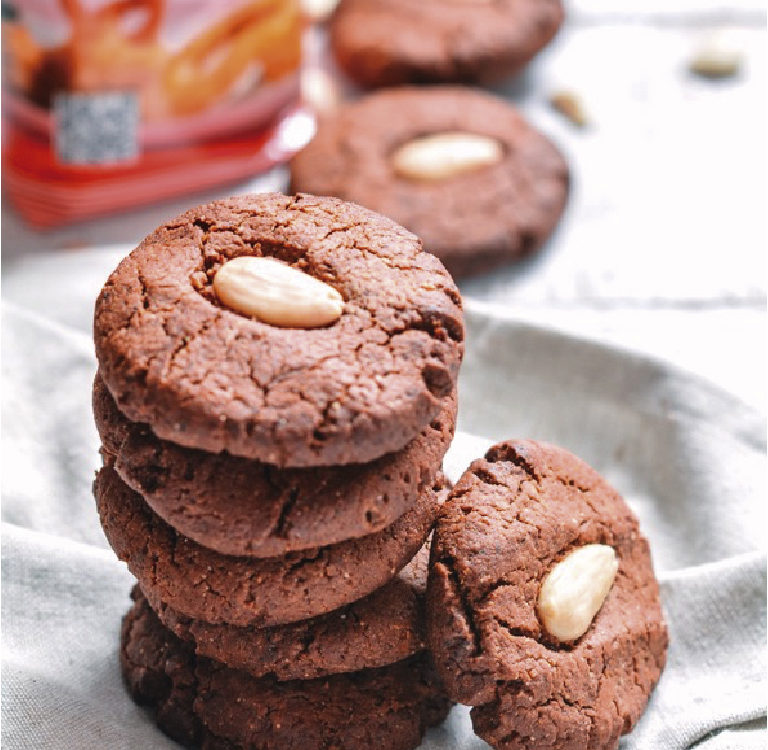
508 452
481 598
450 565
188 339
527 634
511 453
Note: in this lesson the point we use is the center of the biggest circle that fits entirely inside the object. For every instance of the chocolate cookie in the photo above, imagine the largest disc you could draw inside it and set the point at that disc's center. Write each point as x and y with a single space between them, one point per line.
513 519
199 702
383 628
390 42
205 376
238 506
207 585
460 168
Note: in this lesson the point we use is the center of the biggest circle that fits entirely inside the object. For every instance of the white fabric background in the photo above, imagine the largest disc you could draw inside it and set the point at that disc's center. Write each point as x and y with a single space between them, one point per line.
689 458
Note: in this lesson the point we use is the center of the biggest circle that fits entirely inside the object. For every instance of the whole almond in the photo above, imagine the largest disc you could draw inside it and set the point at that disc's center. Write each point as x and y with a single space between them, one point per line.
443 155
276 293
574 590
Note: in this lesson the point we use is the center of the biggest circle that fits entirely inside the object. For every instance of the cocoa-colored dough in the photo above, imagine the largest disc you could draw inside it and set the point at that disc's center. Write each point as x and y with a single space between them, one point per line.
384 627
207 585
238 506
207 377
510 518
201 703
392 42
471 221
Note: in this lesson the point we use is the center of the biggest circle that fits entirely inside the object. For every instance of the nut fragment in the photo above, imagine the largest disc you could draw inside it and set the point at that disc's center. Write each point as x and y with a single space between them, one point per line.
569 105
443 155
717 58
575 589
276 293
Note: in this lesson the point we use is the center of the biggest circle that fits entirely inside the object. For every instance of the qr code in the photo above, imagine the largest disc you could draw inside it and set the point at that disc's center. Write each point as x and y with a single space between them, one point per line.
97 128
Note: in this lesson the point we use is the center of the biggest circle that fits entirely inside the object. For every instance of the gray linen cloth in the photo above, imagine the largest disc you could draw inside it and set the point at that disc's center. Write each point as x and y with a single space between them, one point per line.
689 458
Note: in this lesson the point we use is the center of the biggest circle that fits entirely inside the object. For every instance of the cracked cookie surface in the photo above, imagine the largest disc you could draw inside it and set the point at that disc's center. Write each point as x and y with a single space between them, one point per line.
201 703
385 627
207 585
238 506
392 42
206 377
510 518
471 221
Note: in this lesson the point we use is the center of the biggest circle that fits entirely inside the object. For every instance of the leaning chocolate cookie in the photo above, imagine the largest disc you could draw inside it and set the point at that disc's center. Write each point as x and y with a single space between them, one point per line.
385 627
461 168
297 331
390 42
543 608
238 506
201 703
207 585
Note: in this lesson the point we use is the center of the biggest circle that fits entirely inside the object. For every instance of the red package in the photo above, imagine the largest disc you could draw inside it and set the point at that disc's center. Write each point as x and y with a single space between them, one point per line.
108 104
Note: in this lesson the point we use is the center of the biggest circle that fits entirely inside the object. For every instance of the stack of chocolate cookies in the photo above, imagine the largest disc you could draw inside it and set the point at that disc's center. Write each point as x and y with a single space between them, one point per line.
275 394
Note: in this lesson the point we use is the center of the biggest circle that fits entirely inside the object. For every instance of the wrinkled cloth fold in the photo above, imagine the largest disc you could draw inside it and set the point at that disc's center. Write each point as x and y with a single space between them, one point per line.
689 458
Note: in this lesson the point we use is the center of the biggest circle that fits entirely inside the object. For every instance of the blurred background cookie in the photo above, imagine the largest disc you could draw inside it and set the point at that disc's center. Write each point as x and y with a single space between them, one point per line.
458 167
387 42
